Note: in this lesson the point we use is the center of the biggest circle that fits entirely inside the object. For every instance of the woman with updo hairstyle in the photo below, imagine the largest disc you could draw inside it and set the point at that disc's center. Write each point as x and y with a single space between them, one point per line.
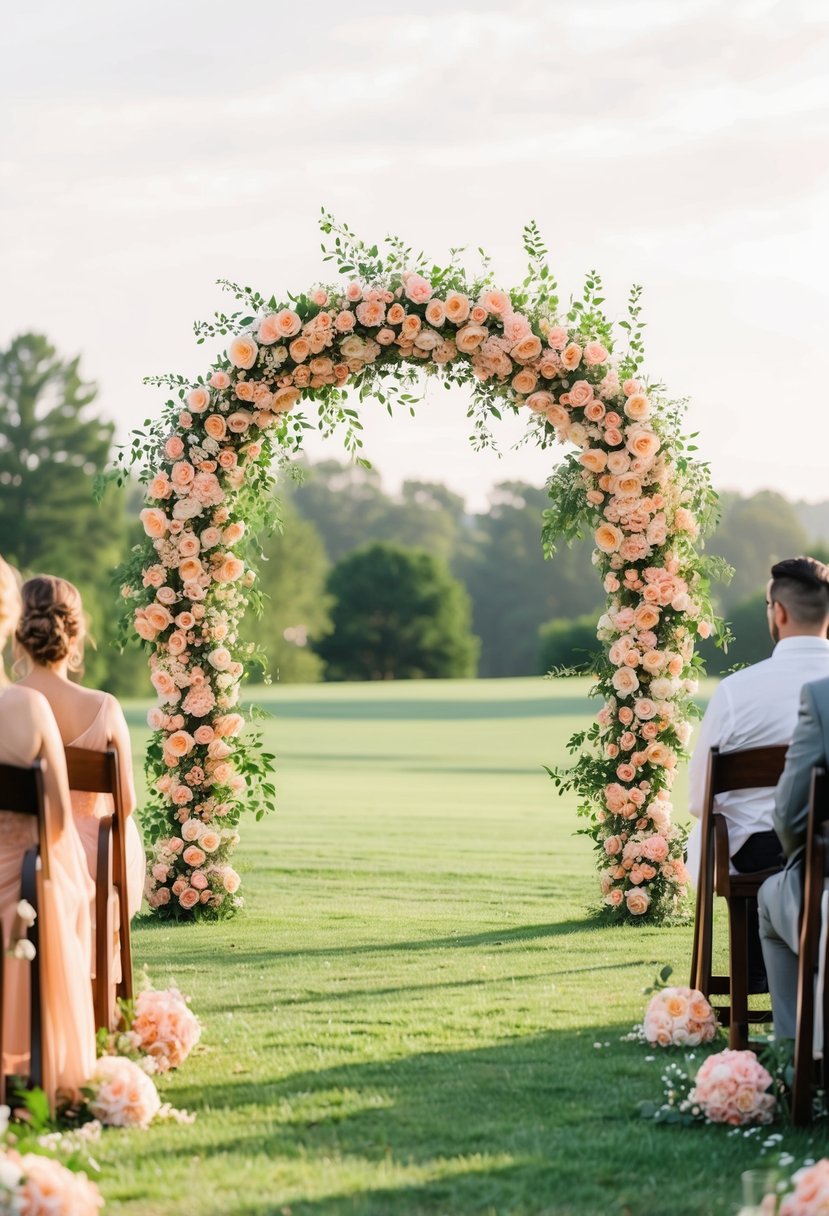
51 634
28 731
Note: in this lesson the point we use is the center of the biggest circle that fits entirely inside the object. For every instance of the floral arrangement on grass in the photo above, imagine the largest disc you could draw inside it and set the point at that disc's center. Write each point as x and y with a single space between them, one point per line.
631 481
808 1196
121 1094
164 1028
37 1185
679 1017
733 1087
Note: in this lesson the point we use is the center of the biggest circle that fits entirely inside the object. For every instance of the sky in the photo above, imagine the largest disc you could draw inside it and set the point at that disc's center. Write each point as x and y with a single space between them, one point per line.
147 150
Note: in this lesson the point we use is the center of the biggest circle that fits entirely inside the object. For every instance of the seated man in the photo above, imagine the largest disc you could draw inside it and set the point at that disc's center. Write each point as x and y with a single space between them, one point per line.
757 707
781 895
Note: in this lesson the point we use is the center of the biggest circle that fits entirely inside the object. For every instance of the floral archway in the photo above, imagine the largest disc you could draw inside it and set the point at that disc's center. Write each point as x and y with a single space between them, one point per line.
631 481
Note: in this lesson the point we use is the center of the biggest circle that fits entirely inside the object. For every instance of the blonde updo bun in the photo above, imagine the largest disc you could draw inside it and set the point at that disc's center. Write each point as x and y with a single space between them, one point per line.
51 626
9 601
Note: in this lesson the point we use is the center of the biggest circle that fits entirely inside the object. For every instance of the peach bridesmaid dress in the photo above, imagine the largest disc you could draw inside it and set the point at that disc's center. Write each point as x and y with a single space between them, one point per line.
68 1021
88 808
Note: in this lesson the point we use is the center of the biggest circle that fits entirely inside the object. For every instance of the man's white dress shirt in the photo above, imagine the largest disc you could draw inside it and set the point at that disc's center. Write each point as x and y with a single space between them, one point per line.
755 707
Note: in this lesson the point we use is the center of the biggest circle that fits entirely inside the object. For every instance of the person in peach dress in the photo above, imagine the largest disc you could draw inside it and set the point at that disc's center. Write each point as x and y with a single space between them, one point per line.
51 634
28 731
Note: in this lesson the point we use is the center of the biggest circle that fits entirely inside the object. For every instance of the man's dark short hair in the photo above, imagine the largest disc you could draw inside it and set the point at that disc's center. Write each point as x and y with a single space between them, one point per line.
801 585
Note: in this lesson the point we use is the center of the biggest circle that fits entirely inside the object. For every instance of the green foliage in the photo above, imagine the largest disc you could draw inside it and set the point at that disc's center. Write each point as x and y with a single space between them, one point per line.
750 642
569 644
294 606
754 533
397 614
52 445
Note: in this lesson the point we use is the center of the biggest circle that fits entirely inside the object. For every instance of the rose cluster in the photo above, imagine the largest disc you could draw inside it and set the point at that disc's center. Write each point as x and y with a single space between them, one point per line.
733 1087
193 582
164 1027
32 1184
121 1093
810 1194
679 1017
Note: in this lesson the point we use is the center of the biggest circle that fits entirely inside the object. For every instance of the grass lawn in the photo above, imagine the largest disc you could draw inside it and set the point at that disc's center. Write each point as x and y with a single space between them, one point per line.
414 1013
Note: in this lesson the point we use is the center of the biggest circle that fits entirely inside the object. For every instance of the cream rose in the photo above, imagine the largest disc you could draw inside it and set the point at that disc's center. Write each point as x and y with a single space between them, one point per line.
608 538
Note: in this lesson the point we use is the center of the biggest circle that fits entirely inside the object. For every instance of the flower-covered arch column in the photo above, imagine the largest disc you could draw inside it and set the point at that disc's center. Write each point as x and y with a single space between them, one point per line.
311 359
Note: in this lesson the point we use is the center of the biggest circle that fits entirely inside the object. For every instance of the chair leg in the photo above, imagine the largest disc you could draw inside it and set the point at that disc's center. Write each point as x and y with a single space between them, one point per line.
29 891
125 984
738 952
102 988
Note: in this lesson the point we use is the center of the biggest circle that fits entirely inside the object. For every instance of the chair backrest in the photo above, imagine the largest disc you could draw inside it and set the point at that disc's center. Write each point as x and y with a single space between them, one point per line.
91 771
751 769
22 791
816 867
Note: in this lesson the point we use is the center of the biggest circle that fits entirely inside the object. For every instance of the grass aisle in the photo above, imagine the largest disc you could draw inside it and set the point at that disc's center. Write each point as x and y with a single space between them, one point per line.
413 1014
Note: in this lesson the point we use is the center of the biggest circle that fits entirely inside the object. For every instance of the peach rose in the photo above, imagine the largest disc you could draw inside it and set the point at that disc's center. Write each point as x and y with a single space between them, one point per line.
595 354
637 900
220 380
228 725
580 394
638 407
344 322
242 352
284 399
188 898
625 681
210 841
495 301
215 426
478 315
642 443
527 349
300 349
395 314
594 460
435 313
417 289
220 658
268 330
198 399
608 538
230 880
557 416
158 617
540 402
239 421
470 337
571 356
230 569
155 522
410 329
193 855
524 381
180 743
456 307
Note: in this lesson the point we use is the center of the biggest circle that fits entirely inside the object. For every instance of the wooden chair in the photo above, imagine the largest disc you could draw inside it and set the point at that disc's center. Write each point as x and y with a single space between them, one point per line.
22 791
753 768
97 772
815 874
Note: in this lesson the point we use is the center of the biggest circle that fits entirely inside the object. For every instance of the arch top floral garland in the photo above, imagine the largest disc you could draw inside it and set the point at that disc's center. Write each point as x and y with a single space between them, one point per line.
206 464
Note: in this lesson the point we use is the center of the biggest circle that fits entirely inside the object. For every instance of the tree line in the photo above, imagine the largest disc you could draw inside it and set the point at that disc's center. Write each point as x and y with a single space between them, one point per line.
359 583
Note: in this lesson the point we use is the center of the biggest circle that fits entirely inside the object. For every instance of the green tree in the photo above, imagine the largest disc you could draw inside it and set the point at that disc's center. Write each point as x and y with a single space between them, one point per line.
292 578
567 643
398 614
514 590
51 447
753 533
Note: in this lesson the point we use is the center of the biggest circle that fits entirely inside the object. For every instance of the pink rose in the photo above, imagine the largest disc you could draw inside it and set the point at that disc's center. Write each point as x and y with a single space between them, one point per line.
193 855
637 900
594 354
220 380
188 898
495 301
417 289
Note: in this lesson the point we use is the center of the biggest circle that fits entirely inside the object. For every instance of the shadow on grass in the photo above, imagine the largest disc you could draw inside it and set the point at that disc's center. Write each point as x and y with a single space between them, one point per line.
460 941
533 1124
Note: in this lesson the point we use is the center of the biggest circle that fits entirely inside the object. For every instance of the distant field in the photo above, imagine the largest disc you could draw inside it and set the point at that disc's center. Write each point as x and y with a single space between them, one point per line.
414 1014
